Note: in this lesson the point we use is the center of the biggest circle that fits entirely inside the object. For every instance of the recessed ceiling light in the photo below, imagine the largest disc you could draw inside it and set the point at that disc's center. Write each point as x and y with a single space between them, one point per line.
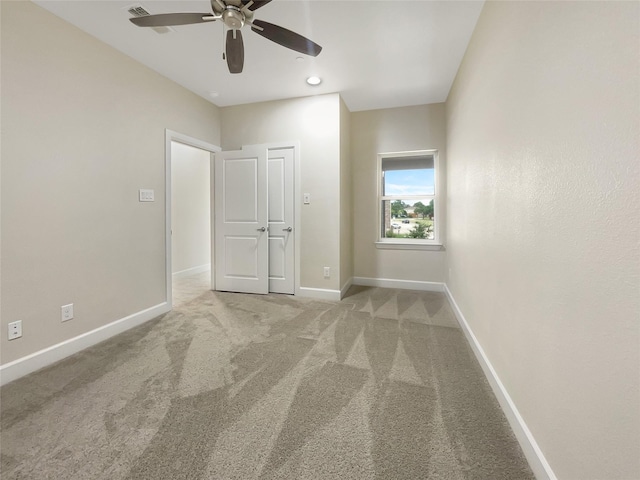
314 81
299 59
213 94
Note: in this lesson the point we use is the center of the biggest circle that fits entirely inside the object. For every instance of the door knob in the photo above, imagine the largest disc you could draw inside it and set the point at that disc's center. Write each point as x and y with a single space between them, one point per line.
262 229
287 229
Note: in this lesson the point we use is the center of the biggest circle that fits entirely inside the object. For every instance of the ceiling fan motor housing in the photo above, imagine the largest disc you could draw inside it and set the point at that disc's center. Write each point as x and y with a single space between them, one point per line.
233 17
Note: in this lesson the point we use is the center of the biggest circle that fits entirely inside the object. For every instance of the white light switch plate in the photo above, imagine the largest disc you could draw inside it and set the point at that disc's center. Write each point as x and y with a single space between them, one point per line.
146 195
307 198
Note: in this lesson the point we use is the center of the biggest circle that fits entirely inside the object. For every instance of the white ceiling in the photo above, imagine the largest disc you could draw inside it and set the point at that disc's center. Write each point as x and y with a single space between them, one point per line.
376 53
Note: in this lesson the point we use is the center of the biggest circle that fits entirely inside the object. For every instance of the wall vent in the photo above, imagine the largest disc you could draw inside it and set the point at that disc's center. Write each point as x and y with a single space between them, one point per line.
140 11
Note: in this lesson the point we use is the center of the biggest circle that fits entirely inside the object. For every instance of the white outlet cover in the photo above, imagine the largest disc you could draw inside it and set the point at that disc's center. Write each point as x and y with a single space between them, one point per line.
66 312
14 330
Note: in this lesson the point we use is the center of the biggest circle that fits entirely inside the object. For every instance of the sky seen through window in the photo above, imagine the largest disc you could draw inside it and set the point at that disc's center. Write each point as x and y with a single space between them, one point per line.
409 182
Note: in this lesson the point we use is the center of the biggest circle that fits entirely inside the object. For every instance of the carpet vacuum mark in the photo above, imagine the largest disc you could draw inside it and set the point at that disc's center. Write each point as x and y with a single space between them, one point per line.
381 385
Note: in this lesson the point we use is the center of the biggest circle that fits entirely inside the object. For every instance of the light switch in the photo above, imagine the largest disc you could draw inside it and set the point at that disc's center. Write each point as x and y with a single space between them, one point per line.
307 198
146 195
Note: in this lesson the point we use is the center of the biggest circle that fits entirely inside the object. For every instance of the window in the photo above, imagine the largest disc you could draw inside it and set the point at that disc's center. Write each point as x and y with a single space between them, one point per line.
408 202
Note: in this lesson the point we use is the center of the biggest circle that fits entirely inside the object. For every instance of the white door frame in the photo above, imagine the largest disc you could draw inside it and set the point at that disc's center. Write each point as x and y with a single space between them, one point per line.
171 136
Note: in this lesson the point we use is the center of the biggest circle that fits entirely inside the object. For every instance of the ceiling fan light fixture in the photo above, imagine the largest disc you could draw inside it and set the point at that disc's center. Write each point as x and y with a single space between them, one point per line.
233 18
314 81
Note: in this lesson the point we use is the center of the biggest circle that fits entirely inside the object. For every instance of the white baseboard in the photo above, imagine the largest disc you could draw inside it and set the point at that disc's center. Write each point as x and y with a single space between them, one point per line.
345 287
192 271
403 284
541 468
319 293
23 366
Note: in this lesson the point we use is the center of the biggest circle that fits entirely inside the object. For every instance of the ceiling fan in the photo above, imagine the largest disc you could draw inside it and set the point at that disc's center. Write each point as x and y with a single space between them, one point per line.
235 14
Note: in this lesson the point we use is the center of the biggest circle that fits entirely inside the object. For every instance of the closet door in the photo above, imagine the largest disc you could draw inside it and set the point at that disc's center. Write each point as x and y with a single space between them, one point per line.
281 221
241 221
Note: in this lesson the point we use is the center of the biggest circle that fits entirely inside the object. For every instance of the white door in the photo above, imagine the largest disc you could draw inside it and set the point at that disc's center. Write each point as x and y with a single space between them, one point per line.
281 221
241 221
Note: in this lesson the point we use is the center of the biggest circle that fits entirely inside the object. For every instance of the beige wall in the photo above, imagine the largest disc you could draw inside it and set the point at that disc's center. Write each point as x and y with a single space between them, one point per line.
346 200
544 195
392 130
82 130
315 123
543 174
190 207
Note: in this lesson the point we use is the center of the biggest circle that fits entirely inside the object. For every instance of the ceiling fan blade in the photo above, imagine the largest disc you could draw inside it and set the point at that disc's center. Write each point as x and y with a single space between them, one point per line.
235 51
172 19
255 4
286 38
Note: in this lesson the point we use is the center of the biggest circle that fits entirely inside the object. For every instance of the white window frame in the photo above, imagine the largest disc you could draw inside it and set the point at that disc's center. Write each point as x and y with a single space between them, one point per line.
411 243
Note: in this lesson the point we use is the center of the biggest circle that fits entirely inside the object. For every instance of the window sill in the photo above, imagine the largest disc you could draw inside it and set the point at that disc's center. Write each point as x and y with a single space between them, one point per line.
409 246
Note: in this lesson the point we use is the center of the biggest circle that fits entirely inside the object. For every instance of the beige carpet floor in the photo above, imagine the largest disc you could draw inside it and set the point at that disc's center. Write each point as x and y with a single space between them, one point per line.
381 385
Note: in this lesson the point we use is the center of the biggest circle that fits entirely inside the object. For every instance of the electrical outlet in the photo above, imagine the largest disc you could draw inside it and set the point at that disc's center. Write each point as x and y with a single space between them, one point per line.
15 330
327 272
66 312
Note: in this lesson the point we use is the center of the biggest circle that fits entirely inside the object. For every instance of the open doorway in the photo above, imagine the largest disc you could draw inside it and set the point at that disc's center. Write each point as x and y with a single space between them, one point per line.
189 214
190 222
